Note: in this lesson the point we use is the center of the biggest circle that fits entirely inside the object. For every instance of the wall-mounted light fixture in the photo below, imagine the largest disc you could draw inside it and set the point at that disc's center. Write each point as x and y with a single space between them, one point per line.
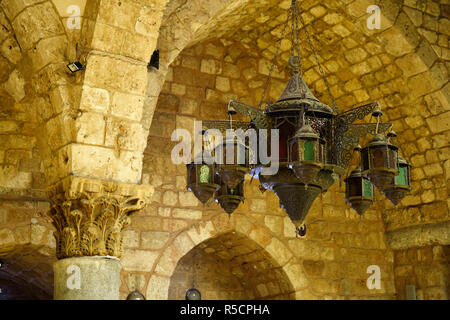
75 66
135 295
1 264
154 60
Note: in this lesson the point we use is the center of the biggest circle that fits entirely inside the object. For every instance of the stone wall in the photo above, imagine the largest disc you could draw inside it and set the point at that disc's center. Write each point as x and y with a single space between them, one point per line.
20 164
54 124
426 268
330 263
27 249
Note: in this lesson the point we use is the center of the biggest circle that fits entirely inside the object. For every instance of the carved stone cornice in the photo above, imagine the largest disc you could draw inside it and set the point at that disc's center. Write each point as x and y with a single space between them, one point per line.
419 236
89 215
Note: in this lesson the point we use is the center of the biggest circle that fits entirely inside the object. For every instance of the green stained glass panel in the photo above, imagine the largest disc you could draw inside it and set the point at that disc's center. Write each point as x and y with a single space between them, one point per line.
204 174
401 178
309 151
367 188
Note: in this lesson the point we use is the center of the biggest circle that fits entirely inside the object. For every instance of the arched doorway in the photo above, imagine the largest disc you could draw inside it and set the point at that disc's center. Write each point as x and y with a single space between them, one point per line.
26 274
230 266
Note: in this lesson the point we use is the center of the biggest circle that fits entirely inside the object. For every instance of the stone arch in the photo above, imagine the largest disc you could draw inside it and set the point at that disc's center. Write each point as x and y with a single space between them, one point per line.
63 103
397 37
396 65
164 267
230 266
27 272
27 250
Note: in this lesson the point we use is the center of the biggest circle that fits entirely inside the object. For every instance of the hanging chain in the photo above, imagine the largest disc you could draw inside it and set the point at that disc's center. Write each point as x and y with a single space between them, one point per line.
297 12
266 86
334 104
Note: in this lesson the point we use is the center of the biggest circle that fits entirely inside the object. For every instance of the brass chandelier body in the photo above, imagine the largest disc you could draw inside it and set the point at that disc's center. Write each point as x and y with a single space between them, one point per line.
315 148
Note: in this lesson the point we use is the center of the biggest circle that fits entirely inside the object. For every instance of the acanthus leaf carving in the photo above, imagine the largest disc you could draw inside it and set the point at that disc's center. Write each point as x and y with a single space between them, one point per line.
90 223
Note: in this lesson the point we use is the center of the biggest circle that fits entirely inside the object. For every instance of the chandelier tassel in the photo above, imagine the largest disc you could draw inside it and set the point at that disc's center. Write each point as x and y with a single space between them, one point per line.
301 231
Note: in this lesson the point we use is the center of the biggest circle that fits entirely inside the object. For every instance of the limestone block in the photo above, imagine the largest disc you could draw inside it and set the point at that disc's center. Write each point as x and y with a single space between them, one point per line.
305 249
10 177
136 282
149 21
170 198
108 38
146 223
439 123
11 50
15 85
433 169
139 47
158 288
123 14
211 66
214 51
35 23
154 239
138 260
323 286
125 135
168 261
108 72
202 232
37 233
63 7
95 99
188 199
46 51
279 252
22 236
103 163
183 243
396 43
6 237
174 225
361 68
223 84
356 55
130 239
90 128
274 223
8 126
187 213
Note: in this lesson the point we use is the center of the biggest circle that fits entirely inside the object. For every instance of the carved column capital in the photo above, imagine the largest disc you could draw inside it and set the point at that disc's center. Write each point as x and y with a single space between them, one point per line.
89 215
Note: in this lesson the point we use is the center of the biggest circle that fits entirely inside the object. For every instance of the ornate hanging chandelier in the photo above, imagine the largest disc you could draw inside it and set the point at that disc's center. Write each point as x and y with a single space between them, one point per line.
315 147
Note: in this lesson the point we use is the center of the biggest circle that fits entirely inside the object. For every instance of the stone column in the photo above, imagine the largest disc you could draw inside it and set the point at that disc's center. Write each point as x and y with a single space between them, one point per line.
89 216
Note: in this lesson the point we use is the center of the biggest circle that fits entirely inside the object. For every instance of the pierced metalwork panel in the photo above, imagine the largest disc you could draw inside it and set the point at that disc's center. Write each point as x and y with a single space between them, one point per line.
352 136
223 125
258 117
360 113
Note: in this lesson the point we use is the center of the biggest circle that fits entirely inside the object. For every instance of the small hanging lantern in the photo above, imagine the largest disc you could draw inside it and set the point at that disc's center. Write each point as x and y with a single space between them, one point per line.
234 161
229 198
306 154
135 295
400 184
359 192
193 294
379 161
201 180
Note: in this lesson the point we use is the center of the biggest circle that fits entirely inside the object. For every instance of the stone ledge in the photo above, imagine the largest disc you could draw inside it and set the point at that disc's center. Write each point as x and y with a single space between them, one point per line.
73 187
419 236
